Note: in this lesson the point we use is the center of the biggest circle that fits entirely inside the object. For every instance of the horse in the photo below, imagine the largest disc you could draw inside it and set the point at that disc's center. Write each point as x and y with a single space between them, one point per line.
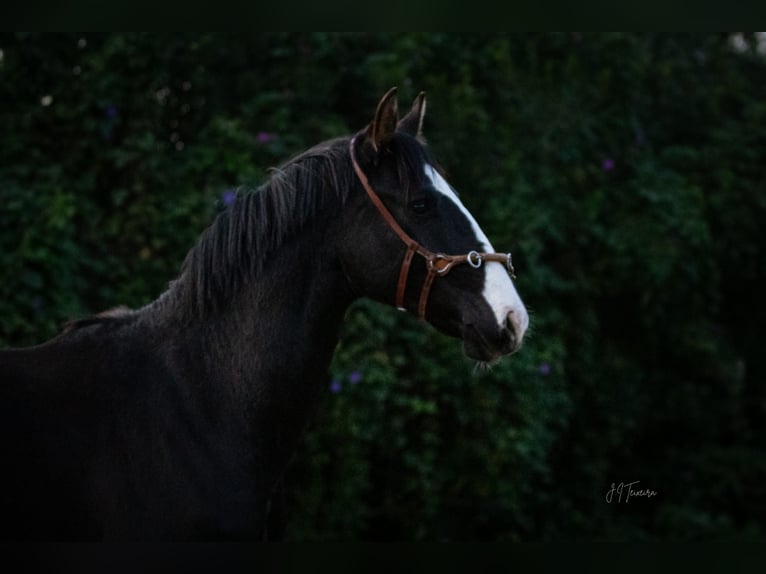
175 421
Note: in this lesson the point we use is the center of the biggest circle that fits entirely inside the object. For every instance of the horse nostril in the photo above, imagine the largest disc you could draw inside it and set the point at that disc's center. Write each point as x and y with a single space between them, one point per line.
510 327
509 322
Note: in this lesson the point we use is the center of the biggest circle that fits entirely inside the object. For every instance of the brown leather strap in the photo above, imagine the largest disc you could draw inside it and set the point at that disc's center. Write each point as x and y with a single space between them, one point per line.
378 203
425 292
437 264
449 261
403 274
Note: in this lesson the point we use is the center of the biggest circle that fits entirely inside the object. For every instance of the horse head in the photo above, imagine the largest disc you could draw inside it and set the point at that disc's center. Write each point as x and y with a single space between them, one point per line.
409 241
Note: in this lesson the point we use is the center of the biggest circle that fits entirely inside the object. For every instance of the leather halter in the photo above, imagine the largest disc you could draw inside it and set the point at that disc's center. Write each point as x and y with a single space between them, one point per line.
437 264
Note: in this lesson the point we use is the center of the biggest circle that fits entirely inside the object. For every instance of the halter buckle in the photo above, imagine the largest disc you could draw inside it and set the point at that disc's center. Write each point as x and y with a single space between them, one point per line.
440 264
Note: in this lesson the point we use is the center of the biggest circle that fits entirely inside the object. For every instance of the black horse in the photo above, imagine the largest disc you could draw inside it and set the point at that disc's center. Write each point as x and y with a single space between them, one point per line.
176 420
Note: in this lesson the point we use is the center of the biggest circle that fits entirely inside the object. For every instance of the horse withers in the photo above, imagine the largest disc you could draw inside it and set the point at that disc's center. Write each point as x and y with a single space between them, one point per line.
175 421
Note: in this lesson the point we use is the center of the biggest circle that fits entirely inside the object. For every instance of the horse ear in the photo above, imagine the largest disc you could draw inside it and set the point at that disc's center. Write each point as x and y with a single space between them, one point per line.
386 118
412 123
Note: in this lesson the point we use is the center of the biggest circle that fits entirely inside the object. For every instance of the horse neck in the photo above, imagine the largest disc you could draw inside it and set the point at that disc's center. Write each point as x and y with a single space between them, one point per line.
287 321
264 355
282 314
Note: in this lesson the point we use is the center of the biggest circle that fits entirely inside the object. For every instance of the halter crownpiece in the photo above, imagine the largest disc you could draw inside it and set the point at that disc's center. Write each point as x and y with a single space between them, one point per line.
437 264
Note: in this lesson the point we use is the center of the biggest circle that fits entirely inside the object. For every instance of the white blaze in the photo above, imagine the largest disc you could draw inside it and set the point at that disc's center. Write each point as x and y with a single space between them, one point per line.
499 292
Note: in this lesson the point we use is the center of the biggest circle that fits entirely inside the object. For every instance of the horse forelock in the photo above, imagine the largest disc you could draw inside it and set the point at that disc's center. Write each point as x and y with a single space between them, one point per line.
411 156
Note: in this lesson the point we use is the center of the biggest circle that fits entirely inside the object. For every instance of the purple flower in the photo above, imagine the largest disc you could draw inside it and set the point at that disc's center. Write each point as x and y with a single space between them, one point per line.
335 386
354 377
607 164
111 112
264 137
544 369
228 197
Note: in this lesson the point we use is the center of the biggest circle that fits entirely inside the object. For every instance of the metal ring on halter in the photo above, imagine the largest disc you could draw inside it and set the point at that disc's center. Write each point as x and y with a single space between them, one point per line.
470 259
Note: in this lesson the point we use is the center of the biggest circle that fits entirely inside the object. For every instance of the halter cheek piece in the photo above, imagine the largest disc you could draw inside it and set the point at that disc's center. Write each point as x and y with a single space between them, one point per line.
437 264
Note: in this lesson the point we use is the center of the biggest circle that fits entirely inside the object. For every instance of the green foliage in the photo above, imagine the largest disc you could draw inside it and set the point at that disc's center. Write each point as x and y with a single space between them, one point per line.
625 172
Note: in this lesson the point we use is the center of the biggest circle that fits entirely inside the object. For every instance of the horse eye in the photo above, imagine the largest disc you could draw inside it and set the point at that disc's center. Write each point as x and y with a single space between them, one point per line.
419 206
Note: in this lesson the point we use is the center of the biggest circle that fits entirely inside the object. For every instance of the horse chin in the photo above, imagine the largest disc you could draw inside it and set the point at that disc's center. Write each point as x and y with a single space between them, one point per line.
479 352
480 347
475 346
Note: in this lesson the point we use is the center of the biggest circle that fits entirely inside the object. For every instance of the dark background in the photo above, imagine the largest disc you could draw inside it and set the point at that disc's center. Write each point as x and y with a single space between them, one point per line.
627 173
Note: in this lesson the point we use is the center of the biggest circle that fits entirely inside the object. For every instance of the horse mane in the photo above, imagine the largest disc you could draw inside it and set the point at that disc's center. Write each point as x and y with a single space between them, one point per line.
242 239
235 247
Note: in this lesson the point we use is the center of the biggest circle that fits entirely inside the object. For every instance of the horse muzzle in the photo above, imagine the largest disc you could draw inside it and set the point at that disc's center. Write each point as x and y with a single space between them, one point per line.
489 344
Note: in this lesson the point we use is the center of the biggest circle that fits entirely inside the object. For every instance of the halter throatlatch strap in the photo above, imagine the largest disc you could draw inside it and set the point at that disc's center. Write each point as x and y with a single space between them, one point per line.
437 264
403 273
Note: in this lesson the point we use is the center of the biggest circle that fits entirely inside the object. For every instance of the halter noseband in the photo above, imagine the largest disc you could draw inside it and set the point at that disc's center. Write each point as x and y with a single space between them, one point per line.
437 264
